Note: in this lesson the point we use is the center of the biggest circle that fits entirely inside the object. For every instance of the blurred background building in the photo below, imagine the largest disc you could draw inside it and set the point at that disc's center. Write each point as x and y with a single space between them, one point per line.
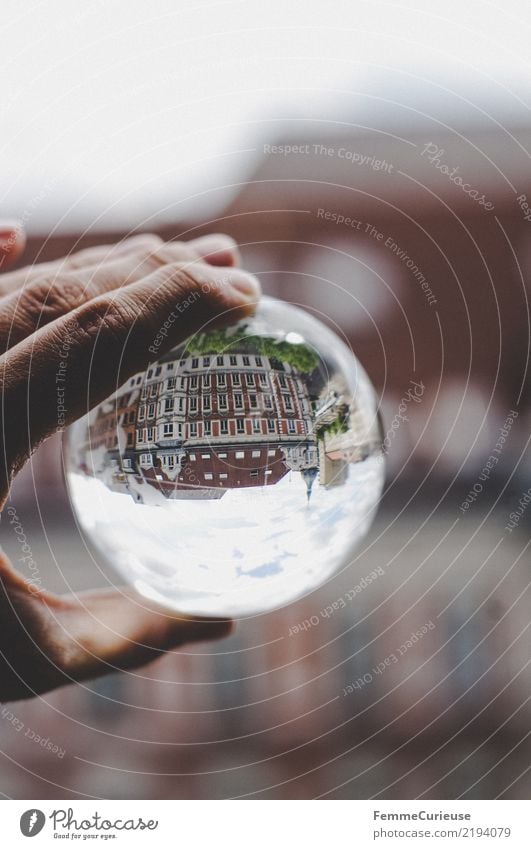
373 163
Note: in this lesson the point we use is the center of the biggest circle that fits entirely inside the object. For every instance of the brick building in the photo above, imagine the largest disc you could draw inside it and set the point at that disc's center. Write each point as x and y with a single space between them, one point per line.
196 425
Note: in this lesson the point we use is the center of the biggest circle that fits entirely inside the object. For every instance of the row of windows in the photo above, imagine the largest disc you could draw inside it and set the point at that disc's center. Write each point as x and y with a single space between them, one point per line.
208 476
205 381
254 453
236 380
192 430
170 405
172 460
222 360
207 361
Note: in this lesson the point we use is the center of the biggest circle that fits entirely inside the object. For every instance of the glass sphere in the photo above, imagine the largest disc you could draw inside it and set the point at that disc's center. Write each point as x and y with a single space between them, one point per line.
238 472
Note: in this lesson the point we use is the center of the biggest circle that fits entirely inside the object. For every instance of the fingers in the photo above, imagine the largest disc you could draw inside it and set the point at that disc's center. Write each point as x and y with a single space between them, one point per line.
47 641
106 631
51 295
216 249
81 358
12 242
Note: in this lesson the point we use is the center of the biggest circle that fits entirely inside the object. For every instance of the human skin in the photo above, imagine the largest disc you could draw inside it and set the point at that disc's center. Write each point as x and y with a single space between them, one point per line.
109 302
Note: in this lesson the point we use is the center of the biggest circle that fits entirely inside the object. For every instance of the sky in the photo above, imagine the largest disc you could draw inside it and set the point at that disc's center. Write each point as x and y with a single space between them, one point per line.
251 550
118 112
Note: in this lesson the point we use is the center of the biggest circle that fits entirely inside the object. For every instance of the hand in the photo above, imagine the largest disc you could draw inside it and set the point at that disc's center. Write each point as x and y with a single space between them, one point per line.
109 304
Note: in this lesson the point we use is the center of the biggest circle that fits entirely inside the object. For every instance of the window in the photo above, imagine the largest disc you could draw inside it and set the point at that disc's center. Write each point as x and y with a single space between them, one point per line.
193 429
170 383
232 360
191 457
169 460
194 382
254 473
268 401
271 425
246 361
168 429
193 405
127 463
180 431
253 403
150 373
222 456
222 380
158 371
263 378
282 381
206 381
292 427
206 404
208 476
150 434
240 426
255 454
236 380
224 427
206 362
168 405
220 361
141 413
146 460
288 403
205 456
140 435
258 361
271 452
195 362
153 390
129 438
181 404
269 472
222 402
169 366
223 476
207 428
238 400
151 411
257 426
239 455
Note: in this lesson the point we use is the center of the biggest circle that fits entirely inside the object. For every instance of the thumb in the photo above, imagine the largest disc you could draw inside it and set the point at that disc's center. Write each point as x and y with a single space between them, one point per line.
12 242
119 629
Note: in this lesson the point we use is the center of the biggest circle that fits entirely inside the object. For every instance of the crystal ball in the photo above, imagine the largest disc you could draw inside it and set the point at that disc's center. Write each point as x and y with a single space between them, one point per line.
238 472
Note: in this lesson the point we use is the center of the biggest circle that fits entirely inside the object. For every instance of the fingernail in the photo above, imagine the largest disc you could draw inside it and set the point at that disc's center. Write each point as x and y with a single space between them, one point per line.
9 235
12 240
217 248
245 283
212 243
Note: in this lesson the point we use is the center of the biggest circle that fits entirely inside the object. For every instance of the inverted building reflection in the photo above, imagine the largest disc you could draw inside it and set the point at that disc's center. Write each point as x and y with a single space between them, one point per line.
226 413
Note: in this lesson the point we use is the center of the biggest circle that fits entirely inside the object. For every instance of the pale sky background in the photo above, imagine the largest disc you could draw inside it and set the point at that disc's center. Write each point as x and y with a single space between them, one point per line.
114 111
